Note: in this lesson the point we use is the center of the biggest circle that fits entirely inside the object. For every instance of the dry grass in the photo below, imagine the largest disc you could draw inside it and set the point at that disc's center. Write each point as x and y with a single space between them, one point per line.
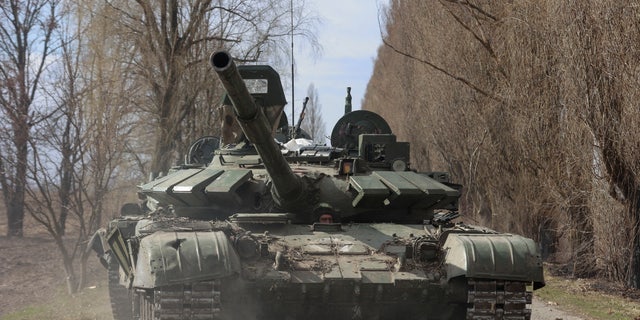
592 298
32 278
33 286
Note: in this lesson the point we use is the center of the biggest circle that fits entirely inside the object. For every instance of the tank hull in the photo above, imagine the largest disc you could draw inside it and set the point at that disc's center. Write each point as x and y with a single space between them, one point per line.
228 270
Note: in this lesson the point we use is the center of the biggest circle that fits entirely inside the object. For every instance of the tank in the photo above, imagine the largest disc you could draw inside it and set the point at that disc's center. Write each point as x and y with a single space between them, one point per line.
262 224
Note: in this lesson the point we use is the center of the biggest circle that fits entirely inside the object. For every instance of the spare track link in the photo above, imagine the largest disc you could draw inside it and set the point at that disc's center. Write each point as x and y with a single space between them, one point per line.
498 299
200 300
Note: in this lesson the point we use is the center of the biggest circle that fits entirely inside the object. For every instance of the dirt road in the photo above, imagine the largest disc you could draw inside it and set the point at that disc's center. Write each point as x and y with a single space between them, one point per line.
543 310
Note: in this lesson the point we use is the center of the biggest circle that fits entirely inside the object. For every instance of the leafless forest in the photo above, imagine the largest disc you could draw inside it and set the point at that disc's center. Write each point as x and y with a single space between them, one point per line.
533 106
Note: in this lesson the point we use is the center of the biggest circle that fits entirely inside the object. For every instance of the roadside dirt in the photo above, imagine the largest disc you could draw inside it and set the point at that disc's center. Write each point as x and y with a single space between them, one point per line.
547 310
31 273
31 270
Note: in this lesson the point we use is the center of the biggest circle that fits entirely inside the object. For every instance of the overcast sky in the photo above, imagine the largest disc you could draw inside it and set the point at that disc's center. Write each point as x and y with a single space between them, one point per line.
350 37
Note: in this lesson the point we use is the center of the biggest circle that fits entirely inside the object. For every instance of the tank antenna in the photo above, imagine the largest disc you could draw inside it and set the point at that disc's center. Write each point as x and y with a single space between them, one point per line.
347 101
293 99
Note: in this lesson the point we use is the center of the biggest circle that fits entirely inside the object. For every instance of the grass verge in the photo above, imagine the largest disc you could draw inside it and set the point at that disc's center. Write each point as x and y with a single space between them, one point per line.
592 300
90 304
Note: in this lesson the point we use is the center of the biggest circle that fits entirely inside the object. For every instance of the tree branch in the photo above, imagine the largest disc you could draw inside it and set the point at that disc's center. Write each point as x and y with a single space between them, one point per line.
443 71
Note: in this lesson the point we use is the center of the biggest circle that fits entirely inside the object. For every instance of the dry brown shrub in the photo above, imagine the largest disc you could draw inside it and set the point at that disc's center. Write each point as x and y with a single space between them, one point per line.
532 106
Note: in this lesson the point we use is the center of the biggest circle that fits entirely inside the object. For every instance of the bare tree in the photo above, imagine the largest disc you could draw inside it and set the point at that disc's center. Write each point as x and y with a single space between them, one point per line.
531 106
81 147
608 91
25 45
313 122
173 40
57 149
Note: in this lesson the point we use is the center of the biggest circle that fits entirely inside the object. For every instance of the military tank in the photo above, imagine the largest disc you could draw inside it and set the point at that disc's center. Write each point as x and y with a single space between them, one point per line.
257 226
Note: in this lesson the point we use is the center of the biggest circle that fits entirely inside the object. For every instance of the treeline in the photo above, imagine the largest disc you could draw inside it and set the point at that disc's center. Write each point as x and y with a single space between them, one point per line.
533 106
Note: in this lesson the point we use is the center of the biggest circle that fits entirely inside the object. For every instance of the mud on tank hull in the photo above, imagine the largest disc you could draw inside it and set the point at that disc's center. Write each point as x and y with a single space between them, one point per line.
330 271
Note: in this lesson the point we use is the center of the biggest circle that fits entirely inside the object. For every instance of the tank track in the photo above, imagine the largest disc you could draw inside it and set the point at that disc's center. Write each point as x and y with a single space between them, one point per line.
200 300
119 295
486 300
496 299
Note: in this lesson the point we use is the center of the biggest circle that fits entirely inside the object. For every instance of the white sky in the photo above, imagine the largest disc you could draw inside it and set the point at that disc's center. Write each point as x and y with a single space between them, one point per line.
350 37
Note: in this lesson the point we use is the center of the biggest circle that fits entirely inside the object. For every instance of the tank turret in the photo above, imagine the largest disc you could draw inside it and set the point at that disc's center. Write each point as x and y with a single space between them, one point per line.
288 188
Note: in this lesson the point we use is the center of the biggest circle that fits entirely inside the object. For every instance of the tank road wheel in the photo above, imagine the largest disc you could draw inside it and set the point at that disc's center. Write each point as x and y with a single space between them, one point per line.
119 295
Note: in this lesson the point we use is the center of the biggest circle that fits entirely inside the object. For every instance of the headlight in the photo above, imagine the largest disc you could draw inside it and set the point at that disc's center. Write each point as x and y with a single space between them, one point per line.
247 247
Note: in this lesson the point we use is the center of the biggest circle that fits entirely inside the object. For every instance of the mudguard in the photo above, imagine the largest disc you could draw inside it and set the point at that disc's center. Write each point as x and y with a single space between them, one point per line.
98 244
166 258
493 256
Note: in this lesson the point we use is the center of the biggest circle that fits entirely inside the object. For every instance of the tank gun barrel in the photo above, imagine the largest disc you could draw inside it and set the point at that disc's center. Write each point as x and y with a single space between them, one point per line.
296 129
254 124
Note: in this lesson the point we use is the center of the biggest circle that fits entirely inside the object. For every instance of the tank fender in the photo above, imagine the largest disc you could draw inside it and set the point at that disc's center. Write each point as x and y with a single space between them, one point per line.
493 256
166 258
98 243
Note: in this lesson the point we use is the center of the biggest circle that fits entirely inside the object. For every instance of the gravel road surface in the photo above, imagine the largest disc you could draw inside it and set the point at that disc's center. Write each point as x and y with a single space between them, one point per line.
543 310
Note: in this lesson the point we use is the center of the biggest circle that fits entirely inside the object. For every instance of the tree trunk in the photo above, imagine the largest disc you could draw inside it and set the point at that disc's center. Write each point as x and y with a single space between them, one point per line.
15 210
634 265
15 216
633 279
167 133
82 280
67 261
162 158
